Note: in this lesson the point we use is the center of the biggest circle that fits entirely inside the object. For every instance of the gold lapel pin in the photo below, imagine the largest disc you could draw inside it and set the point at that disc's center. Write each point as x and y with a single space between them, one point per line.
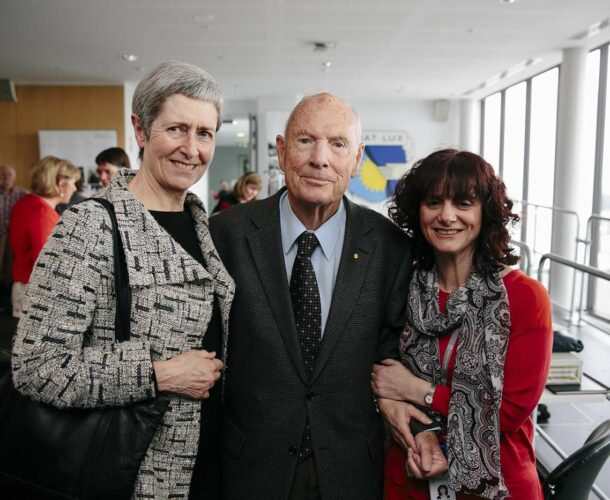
356 256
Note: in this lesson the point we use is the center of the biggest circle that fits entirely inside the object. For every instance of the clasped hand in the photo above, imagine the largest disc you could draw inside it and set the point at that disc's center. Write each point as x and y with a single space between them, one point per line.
395 385
191 374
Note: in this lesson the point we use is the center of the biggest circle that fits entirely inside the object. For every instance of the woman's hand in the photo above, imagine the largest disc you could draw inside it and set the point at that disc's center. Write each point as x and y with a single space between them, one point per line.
427 459
393 380
398 414
191 374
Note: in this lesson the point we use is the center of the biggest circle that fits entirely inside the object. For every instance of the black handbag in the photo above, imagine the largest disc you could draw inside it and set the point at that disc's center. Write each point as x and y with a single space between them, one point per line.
47 452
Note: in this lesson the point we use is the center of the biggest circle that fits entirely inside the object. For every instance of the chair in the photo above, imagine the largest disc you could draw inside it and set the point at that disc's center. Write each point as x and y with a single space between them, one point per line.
573 478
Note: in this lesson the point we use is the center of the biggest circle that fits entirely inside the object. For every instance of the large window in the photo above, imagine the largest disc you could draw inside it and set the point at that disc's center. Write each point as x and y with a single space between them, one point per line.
519 138
543 127
600 226
586 169
514 140
491 131
605 199
526 173
542 137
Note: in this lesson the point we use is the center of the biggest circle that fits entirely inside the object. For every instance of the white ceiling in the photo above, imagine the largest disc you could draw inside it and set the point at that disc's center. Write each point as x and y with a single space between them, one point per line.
386 49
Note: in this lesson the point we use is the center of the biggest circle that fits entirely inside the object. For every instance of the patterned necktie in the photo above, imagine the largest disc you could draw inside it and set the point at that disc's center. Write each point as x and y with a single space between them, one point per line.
307 315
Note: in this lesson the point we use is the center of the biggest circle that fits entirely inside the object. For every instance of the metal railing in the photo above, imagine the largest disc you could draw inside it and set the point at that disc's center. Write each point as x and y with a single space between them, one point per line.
593 271
598 273
525 206
572 213
526 256
589 255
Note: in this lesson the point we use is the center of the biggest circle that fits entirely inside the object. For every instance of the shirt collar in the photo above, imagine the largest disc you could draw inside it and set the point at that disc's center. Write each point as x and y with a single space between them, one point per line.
327 234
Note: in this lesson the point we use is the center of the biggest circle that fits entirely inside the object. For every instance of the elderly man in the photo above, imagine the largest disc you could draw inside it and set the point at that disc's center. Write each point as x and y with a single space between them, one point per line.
9 195
321 285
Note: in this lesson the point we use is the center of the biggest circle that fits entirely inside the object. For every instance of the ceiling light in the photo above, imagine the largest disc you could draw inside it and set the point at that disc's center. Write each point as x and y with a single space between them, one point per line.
240 135
129 57
592 30
595 28
327 64
507 1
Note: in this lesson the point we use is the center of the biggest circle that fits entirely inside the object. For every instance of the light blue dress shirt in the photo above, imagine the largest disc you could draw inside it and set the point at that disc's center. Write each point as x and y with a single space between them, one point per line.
327 255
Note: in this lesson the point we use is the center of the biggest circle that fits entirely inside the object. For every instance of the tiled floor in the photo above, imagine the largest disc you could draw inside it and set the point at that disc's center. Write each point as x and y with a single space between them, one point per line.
570 424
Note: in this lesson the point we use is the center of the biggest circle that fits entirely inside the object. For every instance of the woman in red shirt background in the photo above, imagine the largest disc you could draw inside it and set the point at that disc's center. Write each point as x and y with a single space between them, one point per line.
53 181
477 345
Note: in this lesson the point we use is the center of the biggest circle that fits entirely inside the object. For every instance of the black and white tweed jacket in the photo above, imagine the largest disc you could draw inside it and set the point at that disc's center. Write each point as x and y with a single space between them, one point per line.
64 351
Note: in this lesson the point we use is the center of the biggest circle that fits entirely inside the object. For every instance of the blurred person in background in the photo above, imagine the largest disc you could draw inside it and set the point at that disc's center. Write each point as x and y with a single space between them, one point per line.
246 189
77 197
53 181
9 195
223 189
109 162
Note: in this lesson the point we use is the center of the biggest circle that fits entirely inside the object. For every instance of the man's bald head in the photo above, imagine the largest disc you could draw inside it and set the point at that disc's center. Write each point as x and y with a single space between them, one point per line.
321 99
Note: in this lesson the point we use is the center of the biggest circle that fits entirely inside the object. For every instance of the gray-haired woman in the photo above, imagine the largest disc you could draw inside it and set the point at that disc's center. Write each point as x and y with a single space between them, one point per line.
65 353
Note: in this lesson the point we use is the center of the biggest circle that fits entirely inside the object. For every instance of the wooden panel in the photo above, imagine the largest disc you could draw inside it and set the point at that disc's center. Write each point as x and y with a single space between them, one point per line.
55 108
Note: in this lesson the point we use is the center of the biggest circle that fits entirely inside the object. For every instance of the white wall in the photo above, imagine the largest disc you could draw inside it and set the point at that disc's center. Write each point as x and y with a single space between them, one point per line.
131 146
414 117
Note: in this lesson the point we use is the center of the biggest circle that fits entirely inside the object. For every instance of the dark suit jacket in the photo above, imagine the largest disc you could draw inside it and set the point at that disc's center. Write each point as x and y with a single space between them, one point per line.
267 395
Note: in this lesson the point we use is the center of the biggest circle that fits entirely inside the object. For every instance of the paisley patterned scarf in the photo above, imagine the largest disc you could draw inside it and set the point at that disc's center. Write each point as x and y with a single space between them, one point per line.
479 311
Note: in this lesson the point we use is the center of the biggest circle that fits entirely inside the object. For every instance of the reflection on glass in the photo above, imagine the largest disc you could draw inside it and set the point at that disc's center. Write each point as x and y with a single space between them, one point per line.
543 128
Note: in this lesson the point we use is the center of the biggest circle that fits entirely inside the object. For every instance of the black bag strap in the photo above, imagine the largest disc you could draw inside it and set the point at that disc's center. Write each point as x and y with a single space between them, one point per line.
122 319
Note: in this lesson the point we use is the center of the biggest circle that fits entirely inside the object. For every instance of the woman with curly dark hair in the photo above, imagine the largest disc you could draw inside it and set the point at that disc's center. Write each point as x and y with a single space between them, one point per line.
477 345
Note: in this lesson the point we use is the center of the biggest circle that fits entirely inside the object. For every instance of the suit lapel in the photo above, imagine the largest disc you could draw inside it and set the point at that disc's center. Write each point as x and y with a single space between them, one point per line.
358 250
224 287
266 247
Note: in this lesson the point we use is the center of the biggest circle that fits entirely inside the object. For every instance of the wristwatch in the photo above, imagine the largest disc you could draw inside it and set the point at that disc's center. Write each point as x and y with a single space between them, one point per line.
429 397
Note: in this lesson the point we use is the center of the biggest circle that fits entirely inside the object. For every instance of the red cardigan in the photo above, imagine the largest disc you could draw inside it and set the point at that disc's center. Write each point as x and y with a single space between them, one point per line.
32 221
528 358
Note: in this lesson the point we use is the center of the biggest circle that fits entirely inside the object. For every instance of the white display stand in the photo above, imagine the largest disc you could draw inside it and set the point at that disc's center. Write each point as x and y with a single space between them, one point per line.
79 146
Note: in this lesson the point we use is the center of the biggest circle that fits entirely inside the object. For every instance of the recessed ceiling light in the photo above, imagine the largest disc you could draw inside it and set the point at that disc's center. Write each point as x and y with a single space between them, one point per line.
327 64
507 1
240 135
129 57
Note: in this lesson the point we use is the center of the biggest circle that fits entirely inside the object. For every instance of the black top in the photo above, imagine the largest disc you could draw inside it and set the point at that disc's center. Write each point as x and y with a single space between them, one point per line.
206 475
